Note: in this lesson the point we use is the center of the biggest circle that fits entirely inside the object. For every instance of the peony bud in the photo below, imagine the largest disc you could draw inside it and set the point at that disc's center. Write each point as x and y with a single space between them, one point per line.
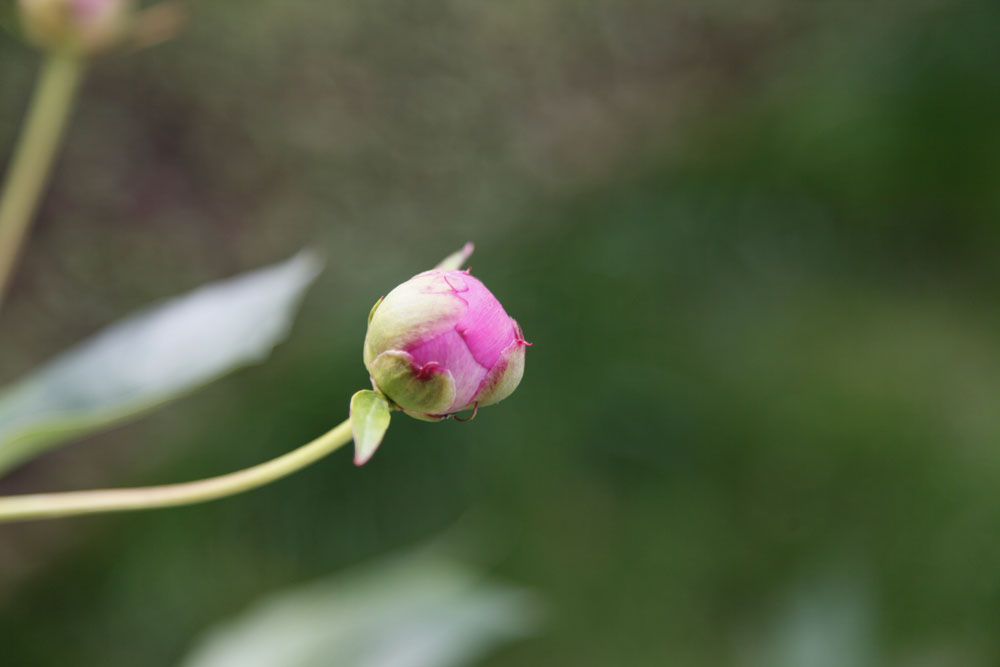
79 27
440 343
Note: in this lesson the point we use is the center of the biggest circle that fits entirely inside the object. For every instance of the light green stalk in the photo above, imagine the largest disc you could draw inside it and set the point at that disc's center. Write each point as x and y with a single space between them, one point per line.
32 161
53 505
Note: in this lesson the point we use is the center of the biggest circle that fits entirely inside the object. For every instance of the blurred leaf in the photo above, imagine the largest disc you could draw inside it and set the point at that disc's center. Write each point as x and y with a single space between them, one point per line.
415 611
159 23
455 260
151 357
828 622
369 421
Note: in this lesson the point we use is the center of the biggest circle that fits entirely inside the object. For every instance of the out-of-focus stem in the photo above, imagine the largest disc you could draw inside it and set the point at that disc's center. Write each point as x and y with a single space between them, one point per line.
53 505
29 168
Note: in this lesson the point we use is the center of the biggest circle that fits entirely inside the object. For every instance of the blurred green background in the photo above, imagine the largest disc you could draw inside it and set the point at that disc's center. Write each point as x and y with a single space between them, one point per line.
755 246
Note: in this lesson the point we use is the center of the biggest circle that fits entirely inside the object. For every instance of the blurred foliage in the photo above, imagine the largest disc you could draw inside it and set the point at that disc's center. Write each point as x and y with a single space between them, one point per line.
415 610
754 246
151 357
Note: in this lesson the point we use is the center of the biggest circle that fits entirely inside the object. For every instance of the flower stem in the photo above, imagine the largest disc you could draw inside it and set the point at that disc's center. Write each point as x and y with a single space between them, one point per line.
54 505
29 168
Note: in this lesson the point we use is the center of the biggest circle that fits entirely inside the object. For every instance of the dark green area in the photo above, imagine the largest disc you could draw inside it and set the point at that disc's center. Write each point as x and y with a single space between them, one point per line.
755 249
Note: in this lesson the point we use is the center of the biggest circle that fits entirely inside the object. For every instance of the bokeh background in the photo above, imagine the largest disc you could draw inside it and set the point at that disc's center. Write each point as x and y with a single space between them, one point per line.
755 246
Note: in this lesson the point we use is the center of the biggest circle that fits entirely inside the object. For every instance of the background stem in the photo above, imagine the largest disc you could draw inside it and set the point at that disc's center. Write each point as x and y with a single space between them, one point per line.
29 168
53 505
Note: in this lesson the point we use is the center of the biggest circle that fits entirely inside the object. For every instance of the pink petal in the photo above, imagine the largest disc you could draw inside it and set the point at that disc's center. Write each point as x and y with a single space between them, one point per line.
449 351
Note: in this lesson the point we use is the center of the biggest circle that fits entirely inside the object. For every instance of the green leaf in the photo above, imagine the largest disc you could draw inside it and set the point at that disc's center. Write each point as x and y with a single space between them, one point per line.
827 620
418 610
369 421
455 260
152 357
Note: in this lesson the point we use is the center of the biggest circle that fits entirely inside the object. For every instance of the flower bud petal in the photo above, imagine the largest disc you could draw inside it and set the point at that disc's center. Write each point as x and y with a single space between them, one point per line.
420 308
504 377
440 343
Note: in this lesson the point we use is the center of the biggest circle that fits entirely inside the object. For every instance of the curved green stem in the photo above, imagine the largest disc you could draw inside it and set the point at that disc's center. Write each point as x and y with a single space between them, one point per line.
53 505
29 168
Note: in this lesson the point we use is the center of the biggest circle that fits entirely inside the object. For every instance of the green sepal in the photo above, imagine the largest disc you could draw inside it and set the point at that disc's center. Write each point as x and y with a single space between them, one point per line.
370 416
371 313
428 394
368 353
455 260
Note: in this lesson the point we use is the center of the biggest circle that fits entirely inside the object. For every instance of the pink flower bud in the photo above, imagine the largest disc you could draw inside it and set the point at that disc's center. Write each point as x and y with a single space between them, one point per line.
80 27
440 343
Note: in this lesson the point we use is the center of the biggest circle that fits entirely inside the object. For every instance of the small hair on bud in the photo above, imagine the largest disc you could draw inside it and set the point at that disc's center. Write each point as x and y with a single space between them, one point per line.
475 411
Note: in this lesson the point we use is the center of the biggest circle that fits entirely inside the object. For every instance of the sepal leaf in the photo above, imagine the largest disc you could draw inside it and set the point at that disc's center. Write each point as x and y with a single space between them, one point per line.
369 421
455 260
